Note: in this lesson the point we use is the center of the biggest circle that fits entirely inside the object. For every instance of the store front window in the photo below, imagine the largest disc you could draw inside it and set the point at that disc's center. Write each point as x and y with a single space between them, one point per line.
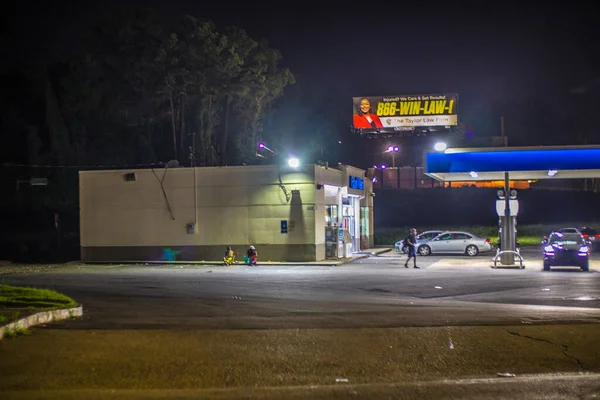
350 221
331 215
364 228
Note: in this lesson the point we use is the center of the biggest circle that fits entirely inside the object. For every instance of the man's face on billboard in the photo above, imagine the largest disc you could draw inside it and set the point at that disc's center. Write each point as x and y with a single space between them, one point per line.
365 106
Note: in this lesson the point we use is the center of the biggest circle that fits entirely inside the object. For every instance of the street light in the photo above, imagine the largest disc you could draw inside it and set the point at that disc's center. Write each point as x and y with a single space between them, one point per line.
393 150
261 145
294 162
440 146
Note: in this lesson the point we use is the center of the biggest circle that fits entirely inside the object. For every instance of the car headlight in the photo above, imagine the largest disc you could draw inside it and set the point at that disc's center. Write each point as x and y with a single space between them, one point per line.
549 249
584 249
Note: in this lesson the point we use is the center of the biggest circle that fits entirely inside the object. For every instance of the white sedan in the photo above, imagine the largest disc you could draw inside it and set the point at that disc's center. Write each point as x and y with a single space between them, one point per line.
399 245
455 242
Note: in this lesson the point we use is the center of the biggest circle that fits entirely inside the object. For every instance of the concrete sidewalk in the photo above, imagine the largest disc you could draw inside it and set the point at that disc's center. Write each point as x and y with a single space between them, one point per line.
341 261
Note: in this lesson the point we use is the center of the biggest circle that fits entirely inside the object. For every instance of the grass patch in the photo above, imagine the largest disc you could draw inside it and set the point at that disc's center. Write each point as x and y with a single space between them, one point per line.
23 297
528 235
13 333
3 319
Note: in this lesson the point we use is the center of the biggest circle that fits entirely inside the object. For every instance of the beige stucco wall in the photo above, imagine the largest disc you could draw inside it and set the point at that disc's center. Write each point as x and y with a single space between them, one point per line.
238 206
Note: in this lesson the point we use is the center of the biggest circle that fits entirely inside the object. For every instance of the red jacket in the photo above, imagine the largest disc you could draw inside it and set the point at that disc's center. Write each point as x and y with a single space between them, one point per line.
360 121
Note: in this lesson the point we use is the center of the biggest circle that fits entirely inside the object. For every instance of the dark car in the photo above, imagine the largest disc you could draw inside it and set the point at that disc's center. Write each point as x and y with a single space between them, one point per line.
592 235
566 249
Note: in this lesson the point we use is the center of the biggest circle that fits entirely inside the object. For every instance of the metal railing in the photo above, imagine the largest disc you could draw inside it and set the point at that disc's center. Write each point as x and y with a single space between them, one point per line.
498 254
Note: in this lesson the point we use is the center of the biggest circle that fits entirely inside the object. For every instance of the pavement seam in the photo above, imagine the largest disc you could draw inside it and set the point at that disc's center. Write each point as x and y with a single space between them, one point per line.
42 317
564 347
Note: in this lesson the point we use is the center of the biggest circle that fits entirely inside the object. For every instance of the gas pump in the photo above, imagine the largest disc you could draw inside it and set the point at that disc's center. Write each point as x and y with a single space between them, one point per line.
507 208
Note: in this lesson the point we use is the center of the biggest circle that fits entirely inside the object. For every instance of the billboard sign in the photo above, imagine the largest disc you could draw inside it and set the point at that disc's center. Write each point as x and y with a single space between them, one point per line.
393 114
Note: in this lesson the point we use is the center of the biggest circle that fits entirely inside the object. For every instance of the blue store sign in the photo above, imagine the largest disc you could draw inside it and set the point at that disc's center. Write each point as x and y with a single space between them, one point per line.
356 183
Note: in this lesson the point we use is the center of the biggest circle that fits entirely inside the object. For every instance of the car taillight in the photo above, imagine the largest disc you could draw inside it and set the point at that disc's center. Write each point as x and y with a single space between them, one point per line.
487 240
585 235
598 235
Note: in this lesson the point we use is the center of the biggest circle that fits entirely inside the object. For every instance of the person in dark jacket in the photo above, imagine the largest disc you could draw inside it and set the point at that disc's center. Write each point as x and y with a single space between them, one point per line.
411 242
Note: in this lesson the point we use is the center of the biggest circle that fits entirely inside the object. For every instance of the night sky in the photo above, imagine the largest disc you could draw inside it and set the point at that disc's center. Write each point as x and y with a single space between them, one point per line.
489 54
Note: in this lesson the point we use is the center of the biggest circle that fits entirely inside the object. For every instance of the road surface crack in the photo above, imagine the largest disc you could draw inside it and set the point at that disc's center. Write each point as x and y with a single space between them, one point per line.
564 347
377 290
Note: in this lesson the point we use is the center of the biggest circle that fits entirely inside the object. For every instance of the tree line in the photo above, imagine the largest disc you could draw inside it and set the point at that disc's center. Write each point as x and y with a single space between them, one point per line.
144 91
140 91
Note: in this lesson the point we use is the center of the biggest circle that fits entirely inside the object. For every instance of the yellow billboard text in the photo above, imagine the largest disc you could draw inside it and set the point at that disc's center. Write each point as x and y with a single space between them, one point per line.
427 107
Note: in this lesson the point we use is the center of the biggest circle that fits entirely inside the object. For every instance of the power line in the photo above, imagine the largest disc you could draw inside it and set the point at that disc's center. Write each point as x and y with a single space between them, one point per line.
99 166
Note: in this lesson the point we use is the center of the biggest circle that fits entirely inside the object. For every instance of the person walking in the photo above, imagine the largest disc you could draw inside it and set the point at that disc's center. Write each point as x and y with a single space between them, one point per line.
411 242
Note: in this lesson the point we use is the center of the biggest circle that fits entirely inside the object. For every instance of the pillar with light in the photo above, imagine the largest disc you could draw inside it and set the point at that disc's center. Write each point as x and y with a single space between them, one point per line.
381 168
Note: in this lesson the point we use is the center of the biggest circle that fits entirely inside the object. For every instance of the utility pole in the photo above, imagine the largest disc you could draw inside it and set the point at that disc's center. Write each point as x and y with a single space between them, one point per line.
193 165
193 150
502 133
508 229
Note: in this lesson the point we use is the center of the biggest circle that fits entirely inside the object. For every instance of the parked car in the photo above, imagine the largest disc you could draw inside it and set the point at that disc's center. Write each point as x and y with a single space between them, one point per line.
592 235
455 242
573 230
427 235
566 249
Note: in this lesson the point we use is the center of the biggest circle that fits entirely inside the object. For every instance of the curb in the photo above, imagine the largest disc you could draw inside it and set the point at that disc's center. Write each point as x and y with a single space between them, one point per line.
340 261
42 317
324 263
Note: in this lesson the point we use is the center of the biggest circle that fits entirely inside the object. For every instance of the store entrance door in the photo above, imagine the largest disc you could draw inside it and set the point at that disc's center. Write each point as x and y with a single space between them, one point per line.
349 220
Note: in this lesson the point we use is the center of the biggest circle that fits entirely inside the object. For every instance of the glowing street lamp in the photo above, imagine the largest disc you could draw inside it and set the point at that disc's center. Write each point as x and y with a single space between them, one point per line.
440 146
294 162
261 145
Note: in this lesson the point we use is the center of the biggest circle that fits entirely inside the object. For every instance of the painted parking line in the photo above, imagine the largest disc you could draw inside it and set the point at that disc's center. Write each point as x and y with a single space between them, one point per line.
448 263
461 263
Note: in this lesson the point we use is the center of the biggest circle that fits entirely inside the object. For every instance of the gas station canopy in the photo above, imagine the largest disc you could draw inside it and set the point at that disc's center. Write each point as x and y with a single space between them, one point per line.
522 163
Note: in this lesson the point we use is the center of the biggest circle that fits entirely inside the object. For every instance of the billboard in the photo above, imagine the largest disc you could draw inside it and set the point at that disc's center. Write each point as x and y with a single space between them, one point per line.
396 114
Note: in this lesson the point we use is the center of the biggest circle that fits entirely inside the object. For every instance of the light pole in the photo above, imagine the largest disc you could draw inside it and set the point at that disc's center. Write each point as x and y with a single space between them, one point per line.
393 150
261 145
